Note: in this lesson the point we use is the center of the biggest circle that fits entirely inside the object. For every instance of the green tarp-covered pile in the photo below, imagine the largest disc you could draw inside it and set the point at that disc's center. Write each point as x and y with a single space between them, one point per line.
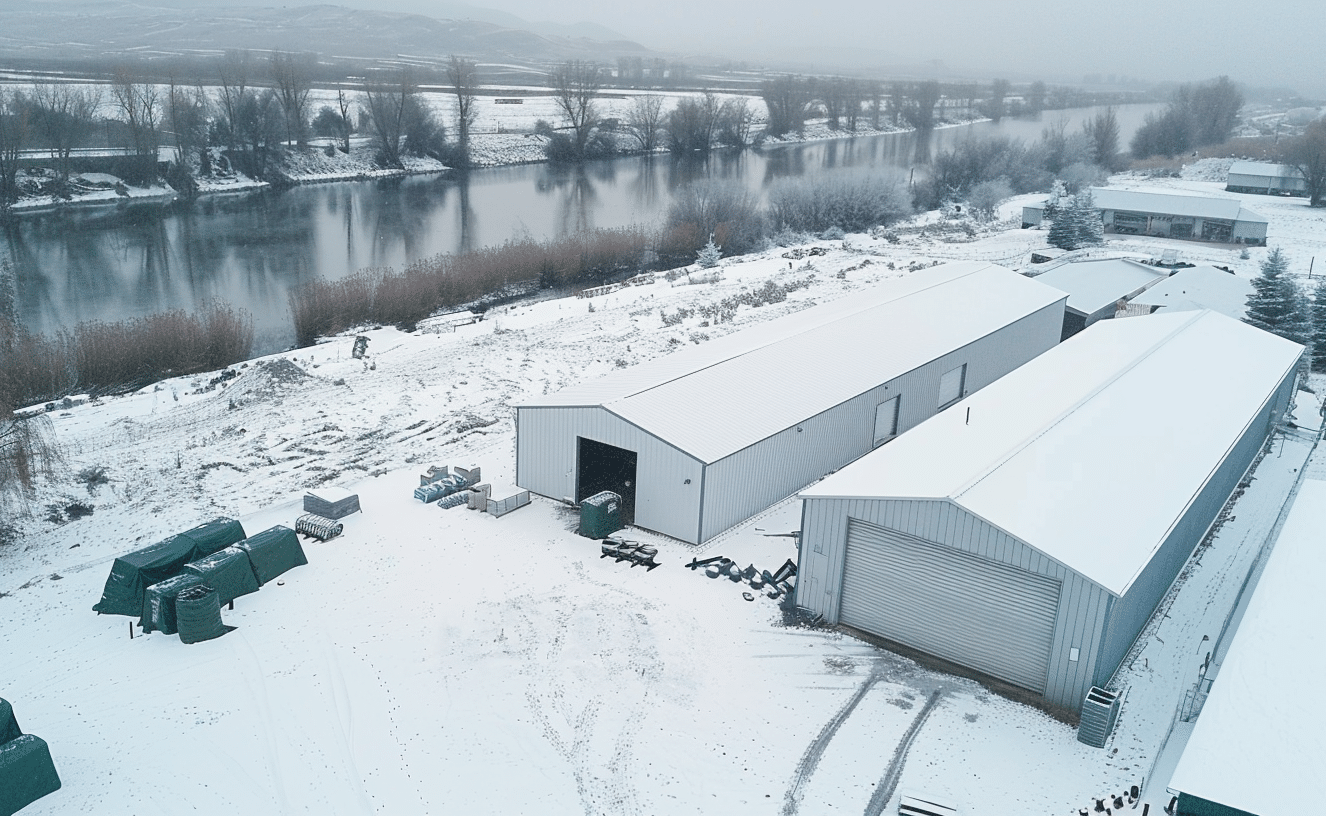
159 603
198 614
133 573
26 770
227 571
273 551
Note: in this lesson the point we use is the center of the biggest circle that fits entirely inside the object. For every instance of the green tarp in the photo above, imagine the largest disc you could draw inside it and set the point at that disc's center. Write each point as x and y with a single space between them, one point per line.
8 724
215 535
198 614
132 574
274 551
159 603
26 773
227 571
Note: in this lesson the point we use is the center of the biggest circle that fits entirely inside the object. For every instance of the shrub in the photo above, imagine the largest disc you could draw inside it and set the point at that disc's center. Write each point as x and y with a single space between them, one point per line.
849 201
728 215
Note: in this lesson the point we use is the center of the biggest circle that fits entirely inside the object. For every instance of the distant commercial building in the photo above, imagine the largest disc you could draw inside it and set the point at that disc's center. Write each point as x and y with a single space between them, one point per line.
1097 288
708 436
1028 532
1257 748
1266 179
1169 215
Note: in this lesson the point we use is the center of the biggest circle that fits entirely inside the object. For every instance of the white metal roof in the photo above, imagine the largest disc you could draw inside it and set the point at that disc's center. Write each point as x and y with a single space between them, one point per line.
1200 287
722 396
1260 741
1091 452
1229 209
1093 285
1266 169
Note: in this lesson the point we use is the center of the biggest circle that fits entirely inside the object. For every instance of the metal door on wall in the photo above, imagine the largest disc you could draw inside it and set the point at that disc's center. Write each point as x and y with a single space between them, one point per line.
991 617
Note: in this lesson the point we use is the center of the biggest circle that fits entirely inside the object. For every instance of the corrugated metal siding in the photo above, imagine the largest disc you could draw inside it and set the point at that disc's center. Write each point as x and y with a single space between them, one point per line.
546 464
980 613
1131 612
741 485
1249 229
1082 608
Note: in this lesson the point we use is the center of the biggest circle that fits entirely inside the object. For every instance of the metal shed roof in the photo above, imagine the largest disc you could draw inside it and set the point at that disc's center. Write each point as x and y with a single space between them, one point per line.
1093 285
1200 287
1229 209
715 399
1091 452
1258 744
1264 169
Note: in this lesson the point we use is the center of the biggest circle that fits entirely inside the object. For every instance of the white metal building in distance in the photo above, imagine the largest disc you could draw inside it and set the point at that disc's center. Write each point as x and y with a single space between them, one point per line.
1257 749
1028 532
1169 215
1096 287
710 435
1266 179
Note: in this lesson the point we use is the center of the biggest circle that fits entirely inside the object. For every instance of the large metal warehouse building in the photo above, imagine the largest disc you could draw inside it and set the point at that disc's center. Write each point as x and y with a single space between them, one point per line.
1028 532
710 435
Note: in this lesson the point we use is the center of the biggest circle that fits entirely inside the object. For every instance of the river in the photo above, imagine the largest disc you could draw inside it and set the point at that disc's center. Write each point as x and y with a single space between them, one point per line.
250 249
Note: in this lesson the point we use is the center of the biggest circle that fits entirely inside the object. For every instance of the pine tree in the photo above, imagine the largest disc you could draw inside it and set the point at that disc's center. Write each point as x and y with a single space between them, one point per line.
708 255
1319 326
1063 229
1276 304
1090 226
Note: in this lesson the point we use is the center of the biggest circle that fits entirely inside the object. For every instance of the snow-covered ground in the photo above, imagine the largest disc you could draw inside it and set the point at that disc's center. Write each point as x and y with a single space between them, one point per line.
447 661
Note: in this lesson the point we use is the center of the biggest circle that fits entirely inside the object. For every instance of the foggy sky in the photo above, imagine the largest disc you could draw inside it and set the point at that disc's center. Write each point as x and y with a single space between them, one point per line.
1269 43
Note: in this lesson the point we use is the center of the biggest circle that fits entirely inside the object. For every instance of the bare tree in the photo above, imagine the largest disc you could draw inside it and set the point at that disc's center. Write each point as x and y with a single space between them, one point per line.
1103 132
645 120
735 122
140 105
14 127
786 98
65 117
1307 154
995 106
343 105
186 116
260 126
575 84
920 111
387 104
464 81
235 69
293 76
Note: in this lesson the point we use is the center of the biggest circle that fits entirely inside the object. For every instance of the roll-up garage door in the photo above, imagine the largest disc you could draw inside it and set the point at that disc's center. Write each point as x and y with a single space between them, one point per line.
990 617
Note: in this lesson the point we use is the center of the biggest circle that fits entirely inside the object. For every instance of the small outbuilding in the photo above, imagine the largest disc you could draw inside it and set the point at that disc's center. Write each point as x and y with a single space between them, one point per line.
1027 533
1169 215
1265 178
1097 288
1196 287
1257 748
708 436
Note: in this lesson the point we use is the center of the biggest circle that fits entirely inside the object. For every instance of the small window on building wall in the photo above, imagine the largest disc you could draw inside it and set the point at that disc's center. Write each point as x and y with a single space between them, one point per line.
886 421
951 385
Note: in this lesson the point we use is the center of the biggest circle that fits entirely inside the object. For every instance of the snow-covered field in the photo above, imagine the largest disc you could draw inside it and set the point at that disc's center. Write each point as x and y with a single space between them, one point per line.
447 661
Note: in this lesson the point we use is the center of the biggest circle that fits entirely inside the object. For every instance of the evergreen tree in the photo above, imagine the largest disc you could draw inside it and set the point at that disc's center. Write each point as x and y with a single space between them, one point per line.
1063 229
708 255
1089 223
1318 352
1276 304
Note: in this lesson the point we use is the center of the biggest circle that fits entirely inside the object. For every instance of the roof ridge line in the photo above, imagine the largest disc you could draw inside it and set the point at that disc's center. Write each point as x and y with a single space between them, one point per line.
1002 460
853 313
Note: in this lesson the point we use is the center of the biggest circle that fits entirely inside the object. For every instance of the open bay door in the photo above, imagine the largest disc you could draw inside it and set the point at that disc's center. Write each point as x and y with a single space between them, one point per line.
600 467
991 617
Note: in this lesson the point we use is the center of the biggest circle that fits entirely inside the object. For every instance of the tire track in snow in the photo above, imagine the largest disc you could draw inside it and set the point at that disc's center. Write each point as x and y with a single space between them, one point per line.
889 781
815 751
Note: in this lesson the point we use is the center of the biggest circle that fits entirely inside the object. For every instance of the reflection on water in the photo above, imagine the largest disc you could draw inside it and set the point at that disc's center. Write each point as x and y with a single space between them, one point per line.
113 262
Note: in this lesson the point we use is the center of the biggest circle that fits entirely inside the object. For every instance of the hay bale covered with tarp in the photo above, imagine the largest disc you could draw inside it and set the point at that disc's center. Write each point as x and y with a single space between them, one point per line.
26 773
8 722
227 571
133 573
273 551
159 603
198 614
215 535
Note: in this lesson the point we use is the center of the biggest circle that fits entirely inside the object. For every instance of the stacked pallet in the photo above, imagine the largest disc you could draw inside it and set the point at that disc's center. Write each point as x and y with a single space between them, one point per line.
331 502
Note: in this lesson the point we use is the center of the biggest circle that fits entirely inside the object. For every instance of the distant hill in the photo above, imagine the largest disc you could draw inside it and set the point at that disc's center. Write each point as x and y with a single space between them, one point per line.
81 29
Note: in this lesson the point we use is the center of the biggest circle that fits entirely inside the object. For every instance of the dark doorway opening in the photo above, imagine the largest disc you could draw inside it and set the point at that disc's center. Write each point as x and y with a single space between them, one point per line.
602 467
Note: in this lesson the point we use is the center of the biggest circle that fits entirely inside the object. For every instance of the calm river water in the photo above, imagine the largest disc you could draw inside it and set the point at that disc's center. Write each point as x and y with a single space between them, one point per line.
251 249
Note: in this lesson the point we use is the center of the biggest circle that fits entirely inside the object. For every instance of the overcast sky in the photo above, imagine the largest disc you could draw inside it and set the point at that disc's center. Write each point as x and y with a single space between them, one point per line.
1272 42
